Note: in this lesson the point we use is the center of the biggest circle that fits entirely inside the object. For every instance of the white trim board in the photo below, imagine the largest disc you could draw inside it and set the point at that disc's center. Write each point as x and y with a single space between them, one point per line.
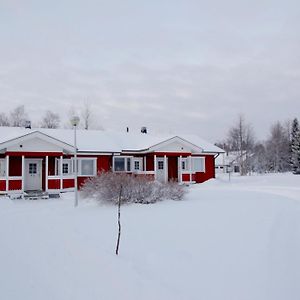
40 135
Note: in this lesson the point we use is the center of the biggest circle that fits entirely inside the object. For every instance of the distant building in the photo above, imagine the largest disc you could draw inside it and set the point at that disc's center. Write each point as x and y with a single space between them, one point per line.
230 162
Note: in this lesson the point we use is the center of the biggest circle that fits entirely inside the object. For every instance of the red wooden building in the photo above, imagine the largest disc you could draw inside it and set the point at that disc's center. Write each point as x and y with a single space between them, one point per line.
43 160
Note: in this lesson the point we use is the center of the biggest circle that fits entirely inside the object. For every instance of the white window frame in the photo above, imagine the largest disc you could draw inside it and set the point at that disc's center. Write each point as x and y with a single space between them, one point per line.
195 168
2 168
126 158
68 161
140 161
79 171
184 161
160 162
67 164
32 168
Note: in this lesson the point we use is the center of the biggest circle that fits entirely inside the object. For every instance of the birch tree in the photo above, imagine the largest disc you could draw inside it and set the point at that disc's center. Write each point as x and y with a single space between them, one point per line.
4 121
86 115
241 139
18 116
277 147
50 120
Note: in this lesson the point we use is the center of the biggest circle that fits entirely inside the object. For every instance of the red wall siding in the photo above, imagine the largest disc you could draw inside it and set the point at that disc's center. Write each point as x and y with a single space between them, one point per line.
15 185
51 166
2 185
81 181
104 163
173 168
150 163
185 177
209 170
68 183
54 184
15 166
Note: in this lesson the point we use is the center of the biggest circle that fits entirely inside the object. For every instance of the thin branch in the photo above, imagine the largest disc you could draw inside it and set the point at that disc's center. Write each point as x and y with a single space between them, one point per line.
119 221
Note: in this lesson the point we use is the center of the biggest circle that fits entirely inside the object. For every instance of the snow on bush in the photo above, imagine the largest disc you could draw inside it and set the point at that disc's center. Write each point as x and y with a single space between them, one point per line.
135 189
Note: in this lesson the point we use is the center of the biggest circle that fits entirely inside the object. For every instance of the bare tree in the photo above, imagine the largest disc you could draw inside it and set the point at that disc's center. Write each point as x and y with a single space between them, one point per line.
50 120
4 121
278 149
121 189
18 116
241 139
259 161
86 115
88 118
287 126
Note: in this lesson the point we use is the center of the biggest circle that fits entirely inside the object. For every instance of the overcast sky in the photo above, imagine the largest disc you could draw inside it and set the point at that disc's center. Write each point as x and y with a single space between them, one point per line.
174 66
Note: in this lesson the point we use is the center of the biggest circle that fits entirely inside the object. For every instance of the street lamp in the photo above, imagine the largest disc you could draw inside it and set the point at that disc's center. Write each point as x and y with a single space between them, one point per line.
75 121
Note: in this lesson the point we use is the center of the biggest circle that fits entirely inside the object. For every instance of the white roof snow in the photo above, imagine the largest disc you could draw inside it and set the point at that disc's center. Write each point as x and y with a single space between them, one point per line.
105 141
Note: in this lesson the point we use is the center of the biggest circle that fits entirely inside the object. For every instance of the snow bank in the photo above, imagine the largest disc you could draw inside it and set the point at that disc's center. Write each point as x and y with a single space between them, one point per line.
227 240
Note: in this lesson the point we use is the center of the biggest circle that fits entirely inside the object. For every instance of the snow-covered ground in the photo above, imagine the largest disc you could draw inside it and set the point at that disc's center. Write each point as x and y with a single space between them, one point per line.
234 240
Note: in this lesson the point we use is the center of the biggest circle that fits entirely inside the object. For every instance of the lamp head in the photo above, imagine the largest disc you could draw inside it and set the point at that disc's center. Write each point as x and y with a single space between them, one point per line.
75 121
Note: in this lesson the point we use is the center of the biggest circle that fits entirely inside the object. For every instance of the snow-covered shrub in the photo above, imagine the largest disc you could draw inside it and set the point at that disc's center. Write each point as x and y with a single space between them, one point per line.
172 190
106 187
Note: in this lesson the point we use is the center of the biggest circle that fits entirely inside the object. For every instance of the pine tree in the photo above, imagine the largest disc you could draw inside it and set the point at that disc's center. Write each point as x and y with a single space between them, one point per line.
295 147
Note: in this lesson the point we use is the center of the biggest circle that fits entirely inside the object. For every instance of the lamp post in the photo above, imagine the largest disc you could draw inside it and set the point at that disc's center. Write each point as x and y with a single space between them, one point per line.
75 121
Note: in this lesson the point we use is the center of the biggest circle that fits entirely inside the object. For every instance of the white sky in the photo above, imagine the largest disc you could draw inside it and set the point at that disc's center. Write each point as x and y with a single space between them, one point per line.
174 66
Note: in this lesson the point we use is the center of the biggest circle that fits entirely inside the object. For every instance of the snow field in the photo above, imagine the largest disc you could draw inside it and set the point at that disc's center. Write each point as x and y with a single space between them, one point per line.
228 240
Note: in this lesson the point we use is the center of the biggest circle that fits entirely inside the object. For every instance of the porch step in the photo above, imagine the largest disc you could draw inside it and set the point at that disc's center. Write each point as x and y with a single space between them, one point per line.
35 195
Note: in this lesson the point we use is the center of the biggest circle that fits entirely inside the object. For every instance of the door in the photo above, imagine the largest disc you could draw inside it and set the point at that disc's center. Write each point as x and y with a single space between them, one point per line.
33 174
161 169
173 168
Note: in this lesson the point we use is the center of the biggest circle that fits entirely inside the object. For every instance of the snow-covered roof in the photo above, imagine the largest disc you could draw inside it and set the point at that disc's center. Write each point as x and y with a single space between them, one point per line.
105 141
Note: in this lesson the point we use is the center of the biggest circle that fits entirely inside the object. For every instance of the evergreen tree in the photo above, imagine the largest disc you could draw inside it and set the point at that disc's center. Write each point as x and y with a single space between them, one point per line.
295 147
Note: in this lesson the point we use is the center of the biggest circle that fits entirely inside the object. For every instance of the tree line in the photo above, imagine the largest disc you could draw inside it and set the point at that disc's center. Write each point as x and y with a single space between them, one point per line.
18 117
280 152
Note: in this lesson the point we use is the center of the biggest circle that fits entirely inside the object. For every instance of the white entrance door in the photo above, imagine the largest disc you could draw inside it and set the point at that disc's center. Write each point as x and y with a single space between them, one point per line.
161 169
33 174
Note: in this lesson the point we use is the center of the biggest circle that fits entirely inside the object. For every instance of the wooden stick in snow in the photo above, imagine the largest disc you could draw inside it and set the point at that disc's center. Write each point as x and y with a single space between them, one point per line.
119 221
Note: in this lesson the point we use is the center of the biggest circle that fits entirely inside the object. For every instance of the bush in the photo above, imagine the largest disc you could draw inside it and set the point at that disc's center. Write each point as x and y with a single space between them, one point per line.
135 189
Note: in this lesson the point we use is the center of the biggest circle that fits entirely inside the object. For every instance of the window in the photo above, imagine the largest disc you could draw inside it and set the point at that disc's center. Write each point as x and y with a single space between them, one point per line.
160 165
65 168
198 164
32 168
137 163
87 167
128 164
184 164
2 167
119 164
122 164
